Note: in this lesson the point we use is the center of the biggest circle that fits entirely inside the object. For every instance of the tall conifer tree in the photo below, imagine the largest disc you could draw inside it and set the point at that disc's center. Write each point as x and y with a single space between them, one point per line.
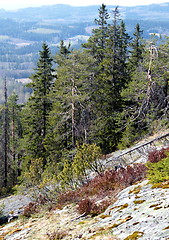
15 134
137 48
38 107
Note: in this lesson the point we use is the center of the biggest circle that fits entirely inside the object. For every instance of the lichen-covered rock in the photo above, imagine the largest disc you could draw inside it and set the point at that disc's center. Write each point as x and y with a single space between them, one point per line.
14 204
147 219
149 214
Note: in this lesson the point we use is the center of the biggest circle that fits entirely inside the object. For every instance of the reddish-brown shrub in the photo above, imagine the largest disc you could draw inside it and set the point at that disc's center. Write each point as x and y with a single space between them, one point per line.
88 206
131 174
41 199
85 206
68 197
157 155
56 235
105 184
99 208
30 209
99 185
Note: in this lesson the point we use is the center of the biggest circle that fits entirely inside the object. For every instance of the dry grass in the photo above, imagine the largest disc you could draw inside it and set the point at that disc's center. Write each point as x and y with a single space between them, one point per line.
108 237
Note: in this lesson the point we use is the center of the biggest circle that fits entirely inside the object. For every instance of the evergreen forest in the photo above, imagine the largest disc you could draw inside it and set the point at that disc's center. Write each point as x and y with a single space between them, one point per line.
85 103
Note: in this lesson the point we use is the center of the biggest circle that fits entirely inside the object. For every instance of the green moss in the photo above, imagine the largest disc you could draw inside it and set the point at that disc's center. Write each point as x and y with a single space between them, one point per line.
123 206
137 196
134 236
158 172
104 216
156 208
119 222
154 205
83 222
136 190
139 201
163 185
115 225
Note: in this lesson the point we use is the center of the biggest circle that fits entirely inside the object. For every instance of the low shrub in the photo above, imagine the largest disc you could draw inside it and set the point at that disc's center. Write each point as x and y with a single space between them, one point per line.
99 208
88 206
29 209
68 197
158 171
131 174
105 184
85 206
33 207
56 235
157 155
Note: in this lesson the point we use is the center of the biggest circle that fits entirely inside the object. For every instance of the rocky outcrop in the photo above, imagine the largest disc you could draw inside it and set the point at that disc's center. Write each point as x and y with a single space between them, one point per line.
11 207
139 211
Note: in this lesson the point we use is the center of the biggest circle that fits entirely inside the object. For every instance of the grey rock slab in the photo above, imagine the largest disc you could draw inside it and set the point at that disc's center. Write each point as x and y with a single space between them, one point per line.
14 203
150 217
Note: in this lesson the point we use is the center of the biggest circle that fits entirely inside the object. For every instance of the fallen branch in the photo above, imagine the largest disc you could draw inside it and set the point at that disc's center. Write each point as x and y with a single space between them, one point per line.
84 214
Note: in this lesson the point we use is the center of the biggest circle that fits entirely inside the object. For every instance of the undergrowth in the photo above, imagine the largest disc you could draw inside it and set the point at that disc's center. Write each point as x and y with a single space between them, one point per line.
158 166
33 207
98 193
57 235
105 185
157 155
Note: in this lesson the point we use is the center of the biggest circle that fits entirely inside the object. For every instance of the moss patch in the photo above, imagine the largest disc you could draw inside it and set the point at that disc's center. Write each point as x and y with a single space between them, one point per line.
134 236
136 197
136 190
104 216
139 201
156 208
154 205
165 186
123 206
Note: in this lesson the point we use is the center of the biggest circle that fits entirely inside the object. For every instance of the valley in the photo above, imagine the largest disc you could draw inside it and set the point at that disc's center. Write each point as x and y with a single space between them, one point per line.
23 32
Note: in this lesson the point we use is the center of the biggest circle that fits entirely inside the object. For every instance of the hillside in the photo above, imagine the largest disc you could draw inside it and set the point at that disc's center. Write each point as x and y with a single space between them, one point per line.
133 212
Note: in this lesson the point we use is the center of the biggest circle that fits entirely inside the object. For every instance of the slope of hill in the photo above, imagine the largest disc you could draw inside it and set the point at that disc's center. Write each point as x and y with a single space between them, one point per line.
140 212
134 211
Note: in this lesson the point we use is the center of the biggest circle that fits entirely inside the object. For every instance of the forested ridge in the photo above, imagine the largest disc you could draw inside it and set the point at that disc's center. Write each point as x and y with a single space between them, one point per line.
85 103
23 31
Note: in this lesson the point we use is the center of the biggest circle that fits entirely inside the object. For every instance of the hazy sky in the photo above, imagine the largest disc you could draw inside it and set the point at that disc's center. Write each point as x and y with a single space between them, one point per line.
15 4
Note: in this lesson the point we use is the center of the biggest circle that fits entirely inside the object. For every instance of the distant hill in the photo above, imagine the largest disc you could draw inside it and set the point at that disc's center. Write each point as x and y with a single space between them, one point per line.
23 31
153 12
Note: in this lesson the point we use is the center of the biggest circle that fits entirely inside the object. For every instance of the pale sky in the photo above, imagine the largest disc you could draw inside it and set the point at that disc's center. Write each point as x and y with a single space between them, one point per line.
16 4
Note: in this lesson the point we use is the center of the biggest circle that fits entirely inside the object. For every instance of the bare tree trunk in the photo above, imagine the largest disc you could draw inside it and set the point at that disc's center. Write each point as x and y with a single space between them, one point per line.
5 136
73 113
13 143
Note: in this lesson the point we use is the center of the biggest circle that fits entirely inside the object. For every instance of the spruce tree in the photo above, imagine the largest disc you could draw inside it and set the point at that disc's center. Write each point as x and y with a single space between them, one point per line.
70 115
15 134
137 48
110 78
5 136
37 109
97 42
